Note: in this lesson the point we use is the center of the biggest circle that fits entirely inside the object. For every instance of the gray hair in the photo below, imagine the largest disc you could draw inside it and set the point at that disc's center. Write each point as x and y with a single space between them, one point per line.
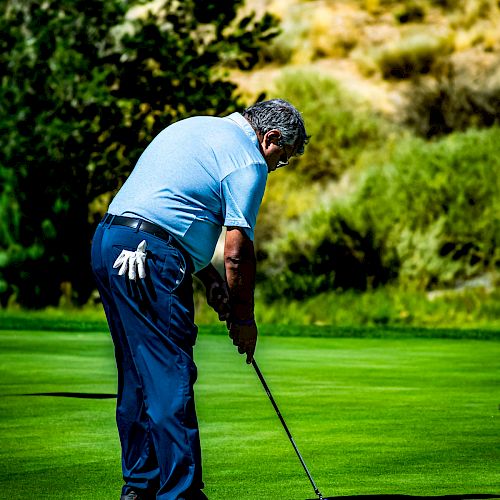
280 115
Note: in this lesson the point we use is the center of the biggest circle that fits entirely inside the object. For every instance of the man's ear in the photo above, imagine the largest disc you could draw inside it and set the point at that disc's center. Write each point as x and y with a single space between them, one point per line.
272 136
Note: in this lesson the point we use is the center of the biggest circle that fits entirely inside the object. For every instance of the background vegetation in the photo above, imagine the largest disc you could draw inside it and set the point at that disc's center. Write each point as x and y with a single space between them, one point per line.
85 86
393 210
402 103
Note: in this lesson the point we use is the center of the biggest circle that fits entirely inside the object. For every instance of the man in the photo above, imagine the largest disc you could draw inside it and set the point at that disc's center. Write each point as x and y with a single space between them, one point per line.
195 177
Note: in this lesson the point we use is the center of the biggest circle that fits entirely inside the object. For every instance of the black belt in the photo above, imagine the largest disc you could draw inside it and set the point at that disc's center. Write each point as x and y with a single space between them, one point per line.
147 227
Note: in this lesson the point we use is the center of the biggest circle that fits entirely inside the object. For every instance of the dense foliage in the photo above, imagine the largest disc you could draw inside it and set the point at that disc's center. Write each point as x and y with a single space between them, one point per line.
425 218
85 85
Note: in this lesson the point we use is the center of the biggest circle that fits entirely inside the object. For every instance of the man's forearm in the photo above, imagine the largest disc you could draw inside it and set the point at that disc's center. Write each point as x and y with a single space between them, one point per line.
240 264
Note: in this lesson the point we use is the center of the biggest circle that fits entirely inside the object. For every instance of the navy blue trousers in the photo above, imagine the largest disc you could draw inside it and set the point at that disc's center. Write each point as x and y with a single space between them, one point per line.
152 326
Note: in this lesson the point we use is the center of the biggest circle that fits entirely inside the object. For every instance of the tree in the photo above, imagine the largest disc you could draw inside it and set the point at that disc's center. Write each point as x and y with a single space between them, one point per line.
85 86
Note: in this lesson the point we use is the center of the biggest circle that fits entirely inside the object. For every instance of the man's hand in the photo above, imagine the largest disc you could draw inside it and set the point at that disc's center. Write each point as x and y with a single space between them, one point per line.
134 262
216 289
244 337
218 299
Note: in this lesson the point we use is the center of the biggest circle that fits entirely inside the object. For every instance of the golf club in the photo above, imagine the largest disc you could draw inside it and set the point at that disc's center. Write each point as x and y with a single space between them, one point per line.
275 406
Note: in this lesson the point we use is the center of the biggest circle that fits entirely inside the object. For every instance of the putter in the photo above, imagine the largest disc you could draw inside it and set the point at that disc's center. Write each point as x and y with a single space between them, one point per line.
282 420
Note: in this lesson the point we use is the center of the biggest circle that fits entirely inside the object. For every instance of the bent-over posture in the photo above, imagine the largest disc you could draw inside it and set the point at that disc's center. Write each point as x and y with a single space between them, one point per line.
195 177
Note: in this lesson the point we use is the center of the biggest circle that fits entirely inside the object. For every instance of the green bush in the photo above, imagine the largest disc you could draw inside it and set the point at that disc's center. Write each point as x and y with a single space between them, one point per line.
311 34
435 207
415 54
425 219
286 199
324 251
458 98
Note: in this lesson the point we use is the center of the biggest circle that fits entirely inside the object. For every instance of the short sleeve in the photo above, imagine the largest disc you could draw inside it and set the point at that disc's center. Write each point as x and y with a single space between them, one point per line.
242 192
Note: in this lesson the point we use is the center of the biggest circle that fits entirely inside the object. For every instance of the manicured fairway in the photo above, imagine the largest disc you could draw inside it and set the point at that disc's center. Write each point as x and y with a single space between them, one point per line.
371 416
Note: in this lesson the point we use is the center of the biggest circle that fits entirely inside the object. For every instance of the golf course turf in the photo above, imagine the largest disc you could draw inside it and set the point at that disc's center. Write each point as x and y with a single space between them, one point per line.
371 415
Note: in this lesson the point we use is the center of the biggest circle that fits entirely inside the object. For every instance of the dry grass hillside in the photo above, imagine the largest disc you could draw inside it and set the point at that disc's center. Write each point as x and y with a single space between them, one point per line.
374 47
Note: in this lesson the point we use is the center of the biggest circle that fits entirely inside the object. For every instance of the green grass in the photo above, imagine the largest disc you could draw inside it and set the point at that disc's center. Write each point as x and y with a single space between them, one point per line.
399 414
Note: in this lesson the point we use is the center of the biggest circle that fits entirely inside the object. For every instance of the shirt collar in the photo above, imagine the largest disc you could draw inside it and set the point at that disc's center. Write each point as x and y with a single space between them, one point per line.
242 122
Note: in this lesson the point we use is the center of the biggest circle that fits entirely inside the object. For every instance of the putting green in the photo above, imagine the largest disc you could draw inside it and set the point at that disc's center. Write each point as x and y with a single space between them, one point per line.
371 416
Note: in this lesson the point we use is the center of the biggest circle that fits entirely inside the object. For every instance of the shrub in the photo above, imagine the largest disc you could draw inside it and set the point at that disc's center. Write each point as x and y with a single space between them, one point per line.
425 219
286 199
377 6
435 206
325 251
310 34
454 101
332 33
414 54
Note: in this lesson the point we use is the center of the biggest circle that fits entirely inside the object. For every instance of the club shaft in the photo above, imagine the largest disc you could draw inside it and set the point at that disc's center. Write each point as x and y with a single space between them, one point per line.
282 420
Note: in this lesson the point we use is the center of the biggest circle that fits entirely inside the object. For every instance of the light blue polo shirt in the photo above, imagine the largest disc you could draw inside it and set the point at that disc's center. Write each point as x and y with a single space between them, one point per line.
198 175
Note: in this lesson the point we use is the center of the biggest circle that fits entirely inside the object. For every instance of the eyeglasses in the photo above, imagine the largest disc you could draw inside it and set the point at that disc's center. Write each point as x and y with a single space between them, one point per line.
282 163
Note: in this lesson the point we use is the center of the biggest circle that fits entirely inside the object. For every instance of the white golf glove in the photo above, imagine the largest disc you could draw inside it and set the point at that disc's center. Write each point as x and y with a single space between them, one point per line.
135 262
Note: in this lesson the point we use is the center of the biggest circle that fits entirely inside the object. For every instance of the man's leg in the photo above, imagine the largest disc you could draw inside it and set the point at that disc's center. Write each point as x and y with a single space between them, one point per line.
139 463
157 316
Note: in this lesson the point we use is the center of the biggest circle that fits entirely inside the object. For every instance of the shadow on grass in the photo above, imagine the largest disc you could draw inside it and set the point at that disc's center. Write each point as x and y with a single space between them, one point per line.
81 395
472 496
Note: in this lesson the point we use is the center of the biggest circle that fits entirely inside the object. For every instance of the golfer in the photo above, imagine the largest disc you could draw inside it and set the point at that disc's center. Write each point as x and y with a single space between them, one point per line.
196 176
